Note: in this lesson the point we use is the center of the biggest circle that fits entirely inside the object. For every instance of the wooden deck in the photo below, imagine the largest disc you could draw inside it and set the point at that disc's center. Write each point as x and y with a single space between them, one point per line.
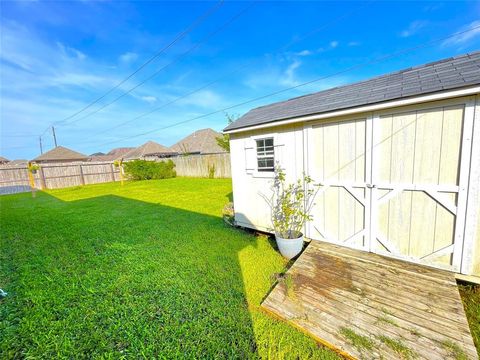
364 305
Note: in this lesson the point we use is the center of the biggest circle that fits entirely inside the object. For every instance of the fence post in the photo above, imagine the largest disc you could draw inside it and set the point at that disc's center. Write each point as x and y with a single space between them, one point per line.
112 172
82 179
41 175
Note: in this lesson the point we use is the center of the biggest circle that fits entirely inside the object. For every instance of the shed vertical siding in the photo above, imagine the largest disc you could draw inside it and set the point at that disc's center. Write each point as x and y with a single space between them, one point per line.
420 147
249 187
412 156
337 155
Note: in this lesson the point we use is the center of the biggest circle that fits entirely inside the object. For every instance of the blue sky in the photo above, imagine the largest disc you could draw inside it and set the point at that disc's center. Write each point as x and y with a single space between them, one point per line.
59 56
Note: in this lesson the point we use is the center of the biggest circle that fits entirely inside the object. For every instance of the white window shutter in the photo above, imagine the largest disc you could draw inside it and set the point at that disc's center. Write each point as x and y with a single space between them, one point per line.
280 154
250 156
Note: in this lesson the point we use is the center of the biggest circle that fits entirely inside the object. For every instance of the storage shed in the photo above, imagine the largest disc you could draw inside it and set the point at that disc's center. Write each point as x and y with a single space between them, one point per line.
397 158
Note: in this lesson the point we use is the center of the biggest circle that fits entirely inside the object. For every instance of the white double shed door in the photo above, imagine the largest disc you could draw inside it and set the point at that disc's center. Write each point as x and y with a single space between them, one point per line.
394 182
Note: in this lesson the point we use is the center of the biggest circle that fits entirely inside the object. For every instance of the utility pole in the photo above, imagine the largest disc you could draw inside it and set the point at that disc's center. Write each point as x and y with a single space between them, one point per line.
54 137
41 148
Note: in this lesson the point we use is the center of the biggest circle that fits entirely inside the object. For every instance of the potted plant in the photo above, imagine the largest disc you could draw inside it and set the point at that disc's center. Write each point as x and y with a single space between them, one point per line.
290 208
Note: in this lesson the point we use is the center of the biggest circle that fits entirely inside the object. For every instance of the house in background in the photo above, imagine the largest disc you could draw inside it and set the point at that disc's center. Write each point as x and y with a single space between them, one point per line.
18 162
397 159
3 160
112 155
200 142
149 151
60 154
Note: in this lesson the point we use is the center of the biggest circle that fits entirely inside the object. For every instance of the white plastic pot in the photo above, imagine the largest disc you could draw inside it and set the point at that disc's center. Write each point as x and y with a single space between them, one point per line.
289 248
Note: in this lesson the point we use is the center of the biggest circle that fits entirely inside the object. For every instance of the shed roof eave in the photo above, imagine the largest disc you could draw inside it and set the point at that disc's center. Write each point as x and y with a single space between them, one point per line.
441 95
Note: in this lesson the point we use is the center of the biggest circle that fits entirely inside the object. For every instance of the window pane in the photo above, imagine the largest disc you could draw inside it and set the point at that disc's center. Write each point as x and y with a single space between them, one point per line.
262 163
265 154
269 162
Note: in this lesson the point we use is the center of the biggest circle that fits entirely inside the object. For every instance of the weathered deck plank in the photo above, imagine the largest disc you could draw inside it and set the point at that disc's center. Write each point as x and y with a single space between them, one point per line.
398 309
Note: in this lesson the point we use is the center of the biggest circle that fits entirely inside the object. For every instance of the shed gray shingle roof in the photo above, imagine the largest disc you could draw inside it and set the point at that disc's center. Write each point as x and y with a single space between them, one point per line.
456 72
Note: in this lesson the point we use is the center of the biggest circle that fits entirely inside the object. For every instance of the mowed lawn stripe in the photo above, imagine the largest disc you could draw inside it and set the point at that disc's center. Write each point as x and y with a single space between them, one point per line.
147 269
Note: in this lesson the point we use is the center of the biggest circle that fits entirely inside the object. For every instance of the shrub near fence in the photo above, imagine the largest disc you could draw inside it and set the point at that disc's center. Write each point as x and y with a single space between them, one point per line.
14 179
147 170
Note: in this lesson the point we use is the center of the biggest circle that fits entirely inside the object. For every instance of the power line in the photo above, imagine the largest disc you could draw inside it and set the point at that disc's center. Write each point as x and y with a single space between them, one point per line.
281 49
373 61
376 60
177 38
19 136
176 60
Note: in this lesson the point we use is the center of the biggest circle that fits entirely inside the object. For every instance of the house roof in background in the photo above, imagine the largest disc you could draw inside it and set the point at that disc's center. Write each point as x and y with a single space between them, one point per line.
201 141
3 159
150 148
18 162
120 151
113 154
448 74
61 153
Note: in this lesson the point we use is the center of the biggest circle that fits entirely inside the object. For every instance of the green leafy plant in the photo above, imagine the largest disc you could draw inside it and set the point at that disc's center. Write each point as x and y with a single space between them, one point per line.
211 171
290 204
147 170
33 168
360 342
398 346
454 350
228 214
117 163
224 140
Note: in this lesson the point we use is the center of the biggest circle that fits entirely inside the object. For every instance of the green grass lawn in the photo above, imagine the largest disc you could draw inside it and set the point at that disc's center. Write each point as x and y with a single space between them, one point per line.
471 302
144 270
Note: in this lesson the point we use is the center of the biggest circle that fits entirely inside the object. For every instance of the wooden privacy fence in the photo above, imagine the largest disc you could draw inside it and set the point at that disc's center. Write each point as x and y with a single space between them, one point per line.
14 179
212 165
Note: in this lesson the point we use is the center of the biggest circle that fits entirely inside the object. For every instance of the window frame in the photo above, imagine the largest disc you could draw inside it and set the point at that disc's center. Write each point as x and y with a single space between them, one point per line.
265 174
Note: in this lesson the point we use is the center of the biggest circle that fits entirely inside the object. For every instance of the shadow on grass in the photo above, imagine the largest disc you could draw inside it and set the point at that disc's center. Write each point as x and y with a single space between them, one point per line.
110 275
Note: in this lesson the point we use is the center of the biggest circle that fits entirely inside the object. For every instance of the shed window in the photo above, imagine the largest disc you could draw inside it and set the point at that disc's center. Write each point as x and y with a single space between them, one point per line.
265 155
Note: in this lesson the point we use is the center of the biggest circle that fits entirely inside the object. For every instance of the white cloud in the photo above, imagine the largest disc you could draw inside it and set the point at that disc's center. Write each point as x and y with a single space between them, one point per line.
149 99
333 44
413 28
71 52
128 57
469 32
203 99
354 43
76 79
288 78
304 53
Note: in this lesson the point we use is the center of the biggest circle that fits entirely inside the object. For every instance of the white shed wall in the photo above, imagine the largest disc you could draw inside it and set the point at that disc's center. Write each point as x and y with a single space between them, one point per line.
249 186
295 154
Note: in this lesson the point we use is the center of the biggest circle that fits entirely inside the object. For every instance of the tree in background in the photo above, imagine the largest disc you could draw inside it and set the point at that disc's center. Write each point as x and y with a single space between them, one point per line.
224 140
